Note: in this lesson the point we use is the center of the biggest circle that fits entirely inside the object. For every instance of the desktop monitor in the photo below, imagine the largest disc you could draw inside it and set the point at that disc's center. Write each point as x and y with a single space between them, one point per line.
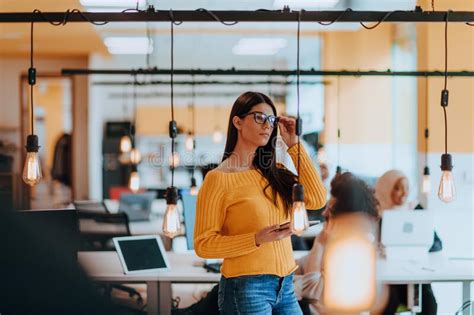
189 210
59 225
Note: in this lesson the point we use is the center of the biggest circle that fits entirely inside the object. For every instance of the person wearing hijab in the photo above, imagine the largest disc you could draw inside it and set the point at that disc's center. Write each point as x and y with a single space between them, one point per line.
391 191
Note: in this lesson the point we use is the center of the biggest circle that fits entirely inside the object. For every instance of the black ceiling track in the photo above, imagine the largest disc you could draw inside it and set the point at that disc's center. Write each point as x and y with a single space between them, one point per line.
202 15
283 73
207 82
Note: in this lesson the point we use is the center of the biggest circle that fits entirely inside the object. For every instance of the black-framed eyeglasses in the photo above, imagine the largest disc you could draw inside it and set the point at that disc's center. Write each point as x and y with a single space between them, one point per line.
262 118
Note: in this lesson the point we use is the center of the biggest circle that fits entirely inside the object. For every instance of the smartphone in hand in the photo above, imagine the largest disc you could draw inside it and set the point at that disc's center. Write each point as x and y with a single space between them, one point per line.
283 227
286 225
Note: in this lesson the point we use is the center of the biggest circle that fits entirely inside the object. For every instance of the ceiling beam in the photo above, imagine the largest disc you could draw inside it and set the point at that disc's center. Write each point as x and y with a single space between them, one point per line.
207 82
284 73
202 15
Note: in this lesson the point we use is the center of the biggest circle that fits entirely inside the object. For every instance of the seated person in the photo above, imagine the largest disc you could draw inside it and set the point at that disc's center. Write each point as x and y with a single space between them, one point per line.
391 190
349 196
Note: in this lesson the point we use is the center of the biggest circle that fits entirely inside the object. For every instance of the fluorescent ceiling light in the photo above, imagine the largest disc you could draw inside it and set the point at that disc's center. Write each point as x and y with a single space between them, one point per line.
113 3
129 45
259 46
305 4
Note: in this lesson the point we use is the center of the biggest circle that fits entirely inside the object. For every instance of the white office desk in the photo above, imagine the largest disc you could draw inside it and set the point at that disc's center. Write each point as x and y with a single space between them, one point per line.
106 267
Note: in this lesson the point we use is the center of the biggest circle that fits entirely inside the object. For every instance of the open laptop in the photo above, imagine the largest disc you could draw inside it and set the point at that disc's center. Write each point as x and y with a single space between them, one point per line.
189 211
137 206
407 233
139 254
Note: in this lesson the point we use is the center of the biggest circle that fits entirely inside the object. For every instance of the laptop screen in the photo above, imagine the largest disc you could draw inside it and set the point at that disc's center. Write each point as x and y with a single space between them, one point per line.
142 254
137 206
407 228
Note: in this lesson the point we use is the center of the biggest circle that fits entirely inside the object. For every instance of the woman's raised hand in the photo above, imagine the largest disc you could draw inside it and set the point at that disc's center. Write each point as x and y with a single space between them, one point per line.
287 128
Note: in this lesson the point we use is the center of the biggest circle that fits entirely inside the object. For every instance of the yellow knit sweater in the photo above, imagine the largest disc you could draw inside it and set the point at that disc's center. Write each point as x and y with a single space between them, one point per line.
231 208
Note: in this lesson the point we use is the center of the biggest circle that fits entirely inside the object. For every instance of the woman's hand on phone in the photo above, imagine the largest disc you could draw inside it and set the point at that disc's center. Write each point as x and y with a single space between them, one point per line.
272 233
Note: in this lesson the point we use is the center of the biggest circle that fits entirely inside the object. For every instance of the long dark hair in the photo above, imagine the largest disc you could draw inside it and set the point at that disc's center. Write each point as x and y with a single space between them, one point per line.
279 179
352 195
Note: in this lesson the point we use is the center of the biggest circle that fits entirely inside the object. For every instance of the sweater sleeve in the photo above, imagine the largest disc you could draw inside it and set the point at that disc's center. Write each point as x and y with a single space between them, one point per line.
210 216
314 190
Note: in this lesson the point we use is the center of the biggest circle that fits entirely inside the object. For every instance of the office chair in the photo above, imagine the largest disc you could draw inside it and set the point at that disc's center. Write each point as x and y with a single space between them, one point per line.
97 229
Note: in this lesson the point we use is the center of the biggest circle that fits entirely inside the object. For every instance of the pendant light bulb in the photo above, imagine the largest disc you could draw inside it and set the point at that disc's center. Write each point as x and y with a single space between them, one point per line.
134 180
125 144
426 184
299 216
189 142
174 160
350 267
135 156
194 190
124 158
32 168
171 221
446 190
217 136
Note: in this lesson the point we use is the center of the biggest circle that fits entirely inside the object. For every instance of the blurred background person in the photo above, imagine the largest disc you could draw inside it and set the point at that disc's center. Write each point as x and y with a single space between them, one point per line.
391 190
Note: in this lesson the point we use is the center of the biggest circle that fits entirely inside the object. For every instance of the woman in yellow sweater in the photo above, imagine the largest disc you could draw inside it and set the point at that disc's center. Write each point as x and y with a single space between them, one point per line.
242 204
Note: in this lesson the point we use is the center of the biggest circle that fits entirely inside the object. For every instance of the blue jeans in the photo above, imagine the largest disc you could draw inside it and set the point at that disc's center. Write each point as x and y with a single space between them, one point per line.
262 294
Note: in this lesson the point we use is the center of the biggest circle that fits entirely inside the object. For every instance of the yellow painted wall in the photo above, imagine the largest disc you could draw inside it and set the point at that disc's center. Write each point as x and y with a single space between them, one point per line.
365 103
154 120
461 90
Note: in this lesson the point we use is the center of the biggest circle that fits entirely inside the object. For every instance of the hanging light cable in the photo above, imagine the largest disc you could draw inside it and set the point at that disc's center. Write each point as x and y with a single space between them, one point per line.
32 169
299 216
134 180
338 167
426 185
189 142
194 189
135 155
171 221
125 143
446 191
